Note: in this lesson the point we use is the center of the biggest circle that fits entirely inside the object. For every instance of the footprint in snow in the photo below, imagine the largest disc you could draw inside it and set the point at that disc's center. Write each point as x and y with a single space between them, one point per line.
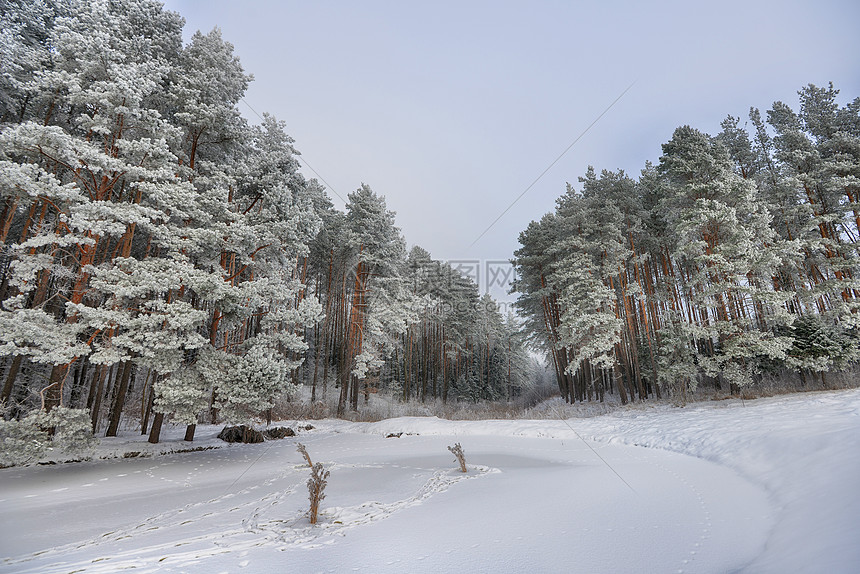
336 520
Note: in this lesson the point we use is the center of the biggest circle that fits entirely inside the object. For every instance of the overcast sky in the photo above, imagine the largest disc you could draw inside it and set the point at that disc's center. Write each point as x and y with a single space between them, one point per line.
452 109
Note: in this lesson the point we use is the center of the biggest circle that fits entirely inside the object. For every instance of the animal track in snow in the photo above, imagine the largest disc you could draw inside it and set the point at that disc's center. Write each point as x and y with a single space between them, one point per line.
705 523
337 520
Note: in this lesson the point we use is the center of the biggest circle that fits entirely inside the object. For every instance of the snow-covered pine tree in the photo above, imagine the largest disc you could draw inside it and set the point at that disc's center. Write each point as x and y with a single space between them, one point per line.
588 257
818 155
378 255
720 232
89 157
277 206
537 298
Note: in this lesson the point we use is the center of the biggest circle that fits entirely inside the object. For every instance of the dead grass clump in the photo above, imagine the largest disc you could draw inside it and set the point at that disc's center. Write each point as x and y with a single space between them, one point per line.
461 456
301 448
316 485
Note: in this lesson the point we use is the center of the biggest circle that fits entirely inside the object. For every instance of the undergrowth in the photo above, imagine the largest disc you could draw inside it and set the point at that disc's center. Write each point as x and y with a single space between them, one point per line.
550 405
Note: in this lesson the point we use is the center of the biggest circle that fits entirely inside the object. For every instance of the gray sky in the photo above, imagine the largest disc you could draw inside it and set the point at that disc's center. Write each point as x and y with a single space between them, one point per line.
452 109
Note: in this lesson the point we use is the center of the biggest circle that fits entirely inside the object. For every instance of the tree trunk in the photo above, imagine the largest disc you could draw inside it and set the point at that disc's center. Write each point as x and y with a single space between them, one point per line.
103 374
155 432
10 379
6 219
80 381
54 391
620 384
147 411
119 401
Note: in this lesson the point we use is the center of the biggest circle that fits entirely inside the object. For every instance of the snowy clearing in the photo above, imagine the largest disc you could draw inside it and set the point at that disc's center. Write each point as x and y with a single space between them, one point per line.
762 486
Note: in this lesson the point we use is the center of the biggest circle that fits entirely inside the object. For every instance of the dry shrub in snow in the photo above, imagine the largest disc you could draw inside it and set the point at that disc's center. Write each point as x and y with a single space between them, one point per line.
461 456
316 486
301 448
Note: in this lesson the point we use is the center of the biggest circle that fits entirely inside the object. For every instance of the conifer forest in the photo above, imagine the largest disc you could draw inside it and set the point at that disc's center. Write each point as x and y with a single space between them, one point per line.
165 261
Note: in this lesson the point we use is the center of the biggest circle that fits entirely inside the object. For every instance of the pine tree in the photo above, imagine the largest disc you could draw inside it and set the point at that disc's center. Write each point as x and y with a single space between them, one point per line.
722 235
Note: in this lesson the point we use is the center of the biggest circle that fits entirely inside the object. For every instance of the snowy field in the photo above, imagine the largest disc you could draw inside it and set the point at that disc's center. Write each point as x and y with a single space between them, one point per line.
764 486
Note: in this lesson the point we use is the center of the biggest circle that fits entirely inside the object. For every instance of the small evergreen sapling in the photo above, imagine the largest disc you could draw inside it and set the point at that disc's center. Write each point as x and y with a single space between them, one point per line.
301 448
27 440
461 456
316 486
21 441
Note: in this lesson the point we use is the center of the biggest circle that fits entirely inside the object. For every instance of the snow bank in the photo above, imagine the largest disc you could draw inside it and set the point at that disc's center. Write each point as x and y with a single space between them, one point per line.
803 449
761 486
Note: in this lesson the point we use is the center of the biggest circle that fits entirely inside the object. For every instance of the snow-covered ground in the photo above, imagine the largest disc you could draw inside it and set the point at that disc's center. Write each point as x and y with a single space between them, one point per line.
764 486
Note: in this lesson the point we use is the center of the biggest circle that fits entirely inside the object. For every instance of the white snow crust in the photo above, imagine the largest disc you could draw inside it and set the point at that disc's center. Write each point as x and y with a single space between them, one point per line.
759 486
